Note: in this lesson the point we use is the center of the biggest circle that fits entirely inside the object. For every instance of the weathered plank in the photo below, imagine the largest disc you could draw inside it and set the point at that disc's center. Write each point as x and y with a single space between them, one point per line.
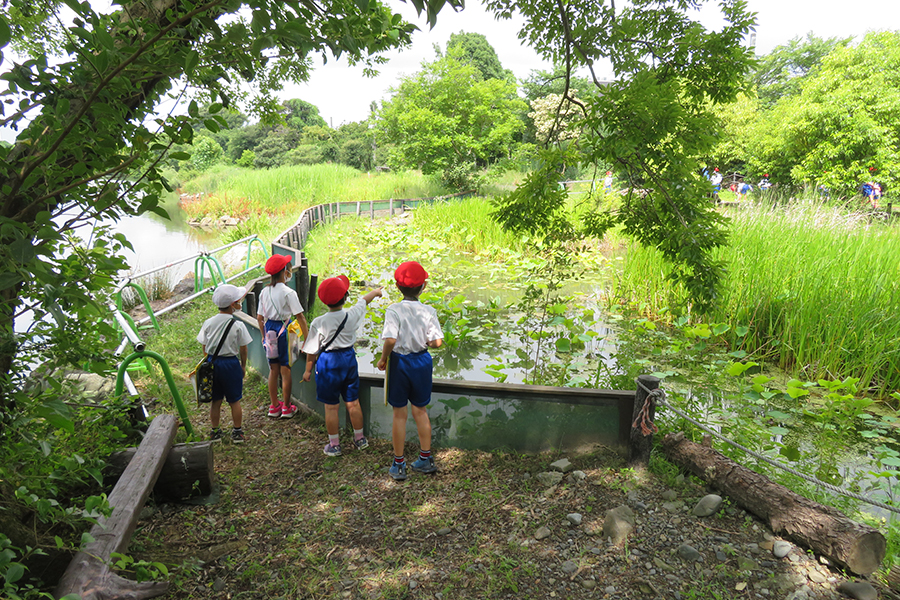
89 575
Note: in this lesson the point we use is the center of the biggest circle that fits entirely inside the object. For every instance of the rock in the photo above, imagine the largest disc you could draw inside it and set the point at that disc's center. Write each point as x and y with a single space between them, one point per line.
413 584
542 533
576 476
860 590
781 548
688 553
562 465
569 567
618 524
673 506
549 478
679 479
662 565
708 505
746 564
609 590
588 584
574 518
817 576
218 584
767 545
444 531
669 495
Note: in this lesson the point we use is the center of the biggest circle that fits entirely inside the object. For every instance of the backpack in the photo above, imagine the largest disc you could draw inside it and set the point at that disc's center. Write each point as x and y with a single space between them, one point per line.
203 373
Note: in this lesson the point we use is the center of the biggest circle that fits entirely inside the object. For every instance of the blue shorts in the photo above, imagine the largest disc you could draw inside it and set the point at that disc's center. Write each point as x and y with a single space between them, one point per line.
337 374
282 343
228 379
409 379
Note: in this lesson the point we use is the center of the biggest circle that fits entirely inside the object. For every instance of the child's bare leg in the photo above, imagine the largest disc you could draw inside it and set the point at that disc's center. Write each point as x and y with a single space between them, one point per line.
273 383
423 424
332 418
286 384
398 430
237 414
354 410
215 413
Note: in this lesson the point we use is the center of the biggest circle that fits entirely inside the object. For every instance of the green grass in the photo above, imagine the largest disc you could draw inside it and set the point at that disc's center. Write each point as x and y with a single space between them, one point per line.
817 287
241 192
467 226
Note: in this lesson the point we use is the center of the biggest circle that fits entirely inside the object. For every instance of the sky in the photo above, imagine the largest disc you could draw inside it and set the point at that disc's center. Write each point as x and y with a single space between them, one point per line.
343 94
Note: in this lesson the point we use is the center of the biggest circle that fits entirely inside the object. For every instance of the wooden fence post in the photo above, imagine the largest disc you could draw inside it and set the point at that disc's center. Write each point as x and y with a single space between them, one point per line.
643 414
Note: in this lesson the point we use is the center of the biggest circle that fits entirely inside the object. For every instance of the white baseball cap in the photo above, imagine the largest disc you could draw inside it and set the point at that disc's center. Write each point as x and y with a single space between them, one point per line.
227 294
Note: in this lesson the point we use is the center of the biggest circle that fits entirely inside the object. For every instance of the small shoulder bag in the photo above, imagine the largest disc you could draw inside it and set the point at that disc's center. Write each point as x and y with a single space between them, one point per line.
204 370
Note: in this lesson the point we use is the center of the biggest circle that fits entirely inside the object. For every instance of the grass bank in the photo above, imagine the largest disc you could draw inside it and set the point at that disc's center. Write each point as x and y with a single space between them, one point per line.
817 288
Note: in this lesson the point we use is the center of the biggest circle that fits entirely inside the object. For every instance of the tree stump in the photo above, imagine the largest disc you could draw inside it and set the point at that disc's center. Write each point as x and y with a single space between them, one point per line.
187 471
824 529
89 575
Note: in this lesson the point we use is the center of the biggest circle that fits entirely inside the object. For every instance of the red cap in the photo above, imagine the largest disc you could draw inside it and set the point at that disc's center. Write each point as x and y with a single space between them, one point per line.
716 169
410 274
277 263
333 289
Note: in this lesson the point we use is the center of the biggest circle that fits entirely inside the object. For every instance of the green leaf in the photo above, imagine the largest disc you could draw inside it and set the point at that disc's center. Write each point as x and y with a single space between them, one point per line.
790 452
180 155
563 345
7 280
14 572
22 251
193 109
5 32
190 63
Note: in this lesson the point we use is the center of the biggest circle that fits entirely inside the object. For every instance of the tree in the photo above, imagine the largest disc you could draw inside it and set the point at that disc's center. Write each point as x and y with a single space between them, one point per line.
653 122
447 120
302 114
780 72
843 127
479 52
115 69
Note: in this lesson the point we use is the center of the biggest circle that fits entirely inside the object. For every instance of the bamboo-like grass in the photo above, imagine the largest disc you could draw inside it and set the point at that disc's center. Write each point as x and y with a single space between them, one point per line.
288 190
818 288
467 226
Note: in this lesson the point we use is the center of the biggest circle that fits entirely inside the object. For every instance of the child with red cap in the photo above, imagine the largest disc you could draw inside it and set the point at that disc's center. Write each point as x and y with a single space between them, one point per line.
329 348
277 304
410 328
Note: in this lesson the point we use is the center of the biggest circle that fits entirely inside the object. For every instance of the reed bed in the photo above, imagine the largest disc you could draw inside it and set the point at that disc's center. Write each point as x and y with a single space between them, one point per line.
466 225
818 288
288 190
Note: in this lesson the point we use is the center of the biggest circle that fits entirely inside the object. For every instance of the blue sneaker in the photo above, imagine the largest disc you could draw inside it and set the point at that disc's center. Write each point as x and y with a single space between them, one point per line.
398 472
361 444
331 450
424 465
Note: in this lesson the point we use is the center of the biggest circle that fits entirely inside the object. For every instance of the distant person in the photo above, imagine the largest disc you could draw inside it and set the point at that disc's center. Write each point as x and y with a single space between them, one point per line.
230 362
329 349
410 328
716 181
764 183
608 181
277 305
744 189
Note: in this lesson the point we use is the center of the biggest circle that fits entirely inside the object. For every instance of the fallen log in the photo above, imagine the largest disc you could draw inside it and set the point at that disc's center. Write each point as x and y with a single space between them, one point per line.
89 575
187 471
824 529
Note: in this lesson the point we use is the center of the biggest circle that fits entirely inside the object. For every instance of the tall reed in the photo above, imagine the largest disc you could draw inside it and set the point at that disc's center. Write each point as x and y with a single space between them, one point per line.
818 288
466 225
288 190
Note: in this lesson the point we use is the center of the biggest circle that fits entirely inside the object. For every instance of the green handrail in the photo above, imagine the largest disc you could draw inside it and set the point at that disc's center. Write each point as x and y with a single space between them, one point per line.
204 260
143 296
120 383
250 245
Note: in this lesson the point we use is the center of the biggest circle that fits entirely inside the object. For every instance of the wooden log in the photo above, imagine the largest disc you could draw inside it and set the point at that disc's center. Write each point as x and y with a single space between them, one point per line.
640 444
824 529
187 470
89 575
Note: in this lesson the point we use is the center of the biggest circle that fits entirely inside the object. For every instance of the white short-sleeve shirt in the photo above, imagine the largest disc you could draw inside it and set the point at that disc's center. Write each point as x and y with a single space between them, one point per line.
278 303
412 324
323 327
212 330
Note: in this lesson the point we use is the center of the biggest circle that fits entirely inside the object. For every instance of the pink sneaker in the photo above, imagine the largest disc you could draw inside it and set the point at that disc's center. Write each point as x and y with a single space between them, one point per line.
275 410
288 411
